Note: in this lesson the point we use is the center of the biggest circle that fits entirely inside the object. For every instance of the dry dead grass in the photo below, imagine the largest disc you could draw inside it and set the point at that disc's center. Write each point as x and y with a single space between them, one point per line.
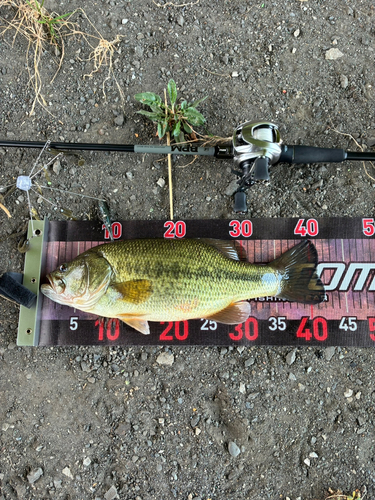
41 29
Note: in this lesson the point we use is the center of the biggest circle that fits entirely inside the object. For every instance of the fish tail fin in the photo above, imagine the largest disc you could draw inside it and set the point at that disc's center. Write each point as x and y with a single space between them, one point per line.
299 282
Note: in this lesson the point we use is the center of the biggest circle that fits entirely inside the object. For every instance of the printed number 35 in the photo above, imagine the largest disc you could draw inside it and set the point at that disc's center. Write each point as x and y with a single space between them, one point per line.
277 323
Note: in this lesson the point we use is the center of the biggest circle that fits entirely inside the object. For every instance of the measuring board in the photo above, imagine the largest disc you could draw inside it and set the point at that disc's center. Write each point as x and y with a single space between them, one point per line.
346 250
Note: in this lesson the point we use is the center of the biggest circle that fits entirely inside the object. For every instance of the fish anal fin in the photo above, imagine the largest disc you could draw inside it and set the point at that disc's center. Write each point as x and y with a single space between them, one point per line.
235 313
134 291
139 324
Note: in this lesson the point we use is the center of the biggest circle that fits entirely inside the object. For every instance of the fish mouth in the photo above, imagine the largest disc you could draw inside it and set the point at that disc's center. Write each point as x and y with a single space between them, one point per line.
55 286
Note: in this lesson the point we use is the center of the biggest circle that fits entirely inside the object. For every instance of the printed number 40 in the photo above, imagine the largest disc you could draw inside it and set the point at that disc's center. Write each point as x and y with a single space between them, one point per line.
310 228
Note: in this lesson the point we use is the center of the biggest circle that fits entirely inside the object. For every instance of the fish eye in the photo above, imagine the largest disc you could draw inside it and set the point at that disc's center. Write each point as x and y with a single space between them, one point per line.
63 268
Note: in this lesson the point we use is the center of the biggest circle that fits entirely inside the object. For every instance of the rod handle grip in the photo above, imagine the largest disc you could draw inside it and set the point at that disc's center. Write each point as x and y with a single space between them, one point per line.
310 154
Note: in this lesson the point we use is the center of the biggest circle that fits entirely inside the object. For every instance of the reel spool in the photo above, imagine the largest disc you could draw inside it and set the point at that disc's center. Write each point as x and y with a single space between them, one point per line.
256 146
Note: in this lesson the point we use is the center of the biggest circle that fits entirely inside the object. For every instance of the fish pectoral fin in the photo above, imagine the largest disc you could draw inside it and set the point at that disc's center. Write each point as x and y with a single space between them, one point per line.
235 313
134 291
139 324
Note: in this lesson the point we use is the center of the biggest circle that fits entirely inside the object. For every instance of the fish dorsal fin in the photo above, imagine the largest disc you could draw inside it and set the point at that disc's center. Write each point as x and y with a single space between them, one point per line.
226 247
134 291
235 313
139 324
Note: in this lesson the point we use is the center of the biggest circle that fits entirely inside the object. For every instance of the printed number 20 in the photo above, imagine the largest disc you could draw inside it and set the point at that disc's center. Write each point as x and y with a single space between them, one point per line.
175 229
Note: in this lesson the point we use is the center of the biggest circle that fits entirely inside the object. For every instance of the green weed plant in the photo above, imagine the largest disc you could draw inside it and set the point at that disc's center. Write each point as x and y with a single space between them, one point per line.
177 119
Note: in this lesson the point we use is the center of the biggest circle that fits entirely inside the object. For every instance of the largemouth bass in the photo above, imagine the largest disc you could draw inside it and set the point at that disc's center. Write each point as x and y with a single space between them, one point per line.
174 280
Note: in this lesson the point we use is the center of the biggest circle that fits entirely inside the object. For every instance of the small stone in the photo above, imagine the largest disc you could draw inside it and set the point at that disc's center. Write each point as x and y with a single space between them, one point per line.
313 455
161 182
124 21
348 393
180 21
233 449
119 120
57 483
333 54
111 493
344 82
232 188
68 473
197 431
165 358
235 74
297 33
307 462
292 377
57 167
358 395
35 475
291 357
5 427
87 462
129 176
91 380
329 353
242 388
249 362
194 421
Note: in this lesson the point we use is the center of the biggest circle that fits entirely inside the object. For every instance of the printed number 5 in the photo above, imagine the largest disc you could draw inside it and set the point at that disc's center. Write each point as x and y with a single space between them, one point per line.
73 325
368 227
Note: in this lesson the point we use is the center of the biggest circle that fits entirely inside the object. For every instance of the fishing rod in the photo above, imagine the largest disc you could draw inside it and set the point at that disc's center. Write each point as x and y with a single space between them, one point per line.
255 147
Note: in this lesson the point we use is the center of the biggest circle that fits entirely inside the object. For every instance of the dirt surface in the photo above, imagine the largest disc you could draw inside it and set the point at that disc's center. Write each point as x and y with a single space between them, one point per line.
212 423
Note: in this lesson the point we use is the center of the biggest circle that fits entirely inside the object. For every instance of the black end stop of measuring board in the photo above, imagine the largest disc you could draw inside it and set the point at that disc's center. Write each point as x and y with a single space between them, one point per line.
11 288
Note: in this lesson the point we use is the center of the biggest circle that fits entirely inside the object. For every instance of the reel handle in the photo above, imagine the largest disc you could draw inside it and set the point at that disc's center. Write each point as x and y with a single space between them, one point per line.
240 205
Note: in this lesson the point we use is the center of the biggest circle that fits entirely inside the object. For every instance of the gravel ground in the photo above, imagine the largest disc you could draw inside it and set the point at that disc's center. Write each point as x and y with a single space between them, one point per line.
190 423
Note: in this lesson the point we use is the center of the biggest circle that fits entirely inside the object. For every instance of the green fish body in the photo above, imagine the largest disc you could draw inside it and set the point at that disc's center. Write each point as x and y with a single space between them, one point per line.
173 280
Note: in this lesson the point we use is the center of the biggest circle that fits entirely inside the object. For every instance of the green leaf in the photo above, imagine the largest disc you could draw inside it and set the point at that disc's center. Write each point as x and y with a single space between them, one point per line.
184 105
162 128
172 91
62 16
176 130
194 117
195 103
182 137
156 108
148 98
187 128
151 115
